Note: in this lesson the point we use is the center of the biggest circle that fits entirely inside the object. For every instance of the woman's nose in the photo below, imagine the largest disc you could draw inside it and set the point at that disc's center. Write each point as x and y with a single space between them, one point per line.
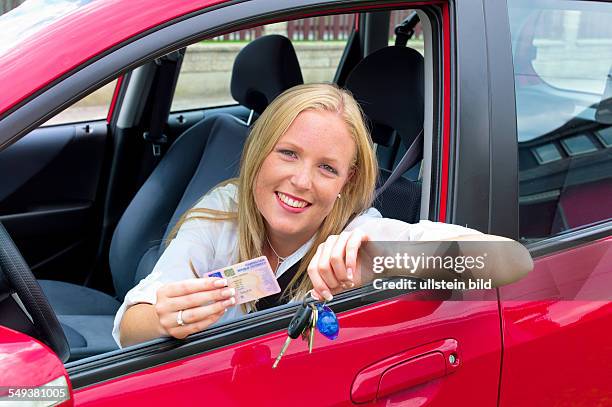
302 178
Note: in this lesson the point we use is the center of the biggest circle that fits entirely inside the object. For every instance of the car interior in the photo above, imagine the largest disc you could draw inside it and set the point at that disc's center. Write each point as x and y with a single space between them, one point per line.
90 235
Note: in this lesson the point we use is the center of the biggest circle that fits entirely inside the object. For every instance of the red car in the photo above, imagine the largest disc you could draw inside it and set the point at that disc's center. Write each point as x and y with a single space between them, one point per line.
115 116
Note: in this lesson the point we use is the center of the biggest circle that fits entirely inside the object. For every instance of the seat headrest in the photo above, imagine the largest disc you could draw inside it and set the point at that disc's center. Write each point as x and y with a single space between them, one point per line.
263 70
389 86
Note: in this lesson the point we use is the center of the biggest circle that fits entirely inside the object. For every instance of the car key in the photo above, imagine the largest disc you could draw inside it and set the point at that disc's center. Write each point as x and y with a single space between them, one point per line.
313 326
298 324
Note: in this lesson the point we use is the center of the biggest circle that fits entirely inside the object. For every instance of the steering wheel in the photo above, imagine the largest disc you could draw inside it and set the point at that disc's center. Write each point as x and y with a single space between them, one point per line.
19 277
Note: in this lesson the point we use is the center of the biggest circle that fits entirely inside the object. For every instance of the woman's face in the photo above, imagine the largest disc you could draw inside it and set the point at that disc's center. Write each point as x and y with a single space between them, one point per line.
300 180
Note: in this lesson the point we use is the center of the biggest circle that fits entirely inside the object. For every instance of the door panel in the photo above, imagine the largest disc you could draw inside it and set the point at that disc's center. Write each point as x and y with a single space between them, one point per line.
397 328
564 339
47 199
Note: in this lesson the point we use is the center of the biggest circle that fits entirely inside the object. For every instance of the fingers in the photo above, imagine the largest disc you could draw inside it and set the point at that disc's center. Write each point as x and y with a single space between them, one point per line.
337 259
352 250
334 265
192 285
196 319
198 299
182 332
320 288
326 269
202 301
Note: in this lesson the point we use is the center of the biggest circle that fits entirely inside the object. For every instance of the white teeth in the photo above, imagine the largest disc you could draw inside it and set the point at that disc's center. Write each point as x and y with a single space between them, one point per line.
291 202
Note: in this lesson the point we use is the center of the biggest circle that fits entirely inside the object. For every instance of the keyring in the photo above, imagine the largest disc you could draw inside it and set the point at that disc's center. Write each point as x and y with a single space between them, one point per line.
312 300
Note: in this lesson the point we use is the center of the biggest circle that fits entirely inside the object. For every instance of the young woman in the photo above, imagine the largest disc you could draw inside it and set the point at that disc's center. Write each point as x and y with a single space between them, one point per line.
304 193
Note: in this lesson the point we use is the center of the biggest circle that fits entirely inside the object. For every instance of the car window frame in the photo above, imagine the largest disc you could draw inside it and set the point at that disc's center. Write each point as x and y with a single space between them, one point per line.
124 58
483 182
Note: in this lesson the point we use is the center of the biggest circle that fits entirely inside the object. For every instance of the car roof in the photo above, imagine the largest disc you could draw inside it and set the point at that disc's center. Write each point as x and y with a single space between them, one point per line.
51 49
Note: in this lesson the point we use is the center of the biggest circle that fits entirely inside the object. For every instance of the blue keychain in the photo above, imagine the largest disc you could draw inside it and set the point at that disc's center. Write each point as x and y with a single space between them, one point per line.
327 322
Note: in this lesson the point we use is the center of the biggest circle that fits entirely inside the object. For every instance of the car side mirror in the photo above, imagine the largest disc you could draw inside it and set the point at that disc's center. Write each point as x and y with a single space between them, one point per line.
31 372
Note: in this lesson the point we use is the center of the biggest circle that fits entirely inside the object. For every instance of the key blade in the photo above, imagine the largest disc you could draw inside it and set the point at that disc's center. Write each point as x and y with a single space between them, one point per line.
315 316
282 352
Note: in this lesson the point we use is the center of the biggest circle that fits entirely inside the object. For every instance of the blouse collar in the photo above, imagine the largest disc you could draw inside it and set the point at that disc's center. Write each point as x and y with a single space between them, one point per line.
294 257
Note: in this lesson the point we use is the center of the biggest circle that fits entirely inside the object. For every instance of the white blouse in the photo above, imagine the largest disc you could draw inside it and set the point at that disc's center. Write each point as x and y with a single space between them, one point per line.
211 245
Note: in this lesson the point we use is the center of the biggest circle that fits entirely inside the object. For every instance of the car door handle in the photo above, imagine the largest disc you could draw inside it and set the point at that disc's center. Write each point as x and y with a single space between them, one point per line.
406 369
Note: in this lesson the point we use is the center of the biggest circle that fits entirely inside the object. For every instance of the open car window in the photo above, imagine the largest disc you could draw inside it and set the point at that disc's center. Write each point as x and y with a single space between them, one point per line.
205 75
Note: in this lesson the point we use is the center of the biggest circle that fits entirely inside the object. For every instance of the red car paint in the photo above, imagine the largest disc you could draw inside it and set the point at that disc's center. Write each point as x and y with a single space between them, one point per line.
563 340
236 375
26 362
31 67
447 118
113 104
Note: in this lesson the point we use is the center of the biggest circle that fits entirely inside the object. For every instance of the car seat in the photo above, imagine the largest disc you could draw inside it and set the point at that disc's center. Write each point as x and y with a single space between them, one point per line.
389 86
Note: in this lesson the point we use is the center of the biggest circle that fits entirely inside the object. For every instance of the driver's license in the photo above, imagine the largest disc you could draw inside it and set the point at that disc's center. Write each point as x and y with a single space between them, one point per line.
253 279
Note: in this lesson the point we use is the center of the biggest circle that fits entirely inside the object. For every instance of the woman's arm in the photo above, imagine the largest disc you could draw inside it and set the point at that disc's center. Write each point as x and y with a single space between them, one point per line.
341 262
140 323
504 260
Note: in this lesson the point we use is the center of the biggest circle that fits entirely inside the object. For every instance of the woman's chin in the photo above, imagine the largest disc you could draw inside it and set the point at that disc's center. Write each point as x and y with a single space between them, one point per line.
288 231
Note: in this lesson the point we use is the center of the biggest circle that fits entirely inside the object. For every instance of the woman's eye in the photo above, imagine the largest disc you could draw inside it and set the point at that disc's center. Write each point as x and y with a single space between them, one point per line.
288 153
329 169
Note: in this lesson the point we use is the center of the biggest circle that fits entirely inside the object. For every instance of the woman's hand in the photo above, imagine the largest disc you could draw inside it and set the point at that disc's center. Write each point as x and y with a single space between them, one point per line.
203 301
335 267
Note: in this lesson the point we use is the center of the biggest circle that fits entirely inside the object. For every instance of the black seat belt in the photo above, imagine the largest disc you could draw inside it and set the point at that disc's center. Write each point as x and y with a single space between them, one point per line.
410 158
167 74
405 30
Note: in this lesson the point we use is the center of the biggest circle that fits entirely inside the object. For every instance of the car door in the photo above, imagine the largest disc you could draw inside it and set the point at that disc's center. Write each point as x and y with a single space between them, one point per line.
50 193
413 347
556 319
393 347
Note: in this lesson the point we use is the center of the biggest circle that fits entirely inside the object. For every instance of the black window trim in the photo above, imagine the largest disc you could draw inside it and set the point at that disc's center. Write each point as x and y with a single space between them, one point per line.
483 125
174 35
573 238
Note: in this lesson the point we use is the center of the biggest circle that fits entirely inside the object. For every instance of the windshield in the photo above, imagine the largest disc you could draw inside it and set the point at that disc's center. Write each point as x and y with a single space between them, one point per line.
32 16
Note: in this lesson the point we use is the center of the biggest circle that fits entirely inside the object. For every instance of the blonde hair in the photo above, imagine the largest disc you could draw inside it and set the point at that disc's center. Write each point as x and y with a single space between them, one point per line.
357 194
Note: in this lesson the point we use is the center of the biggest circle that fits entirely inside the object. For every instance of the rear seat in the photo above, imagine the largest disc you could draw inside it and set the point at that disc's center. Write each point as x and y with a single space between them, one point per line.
389 86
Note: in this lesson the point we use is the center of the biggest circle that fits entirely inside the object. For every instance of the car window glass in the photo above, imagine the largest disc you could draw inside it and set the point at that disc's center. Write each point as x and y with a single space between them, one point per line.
92 107
204 80
562 54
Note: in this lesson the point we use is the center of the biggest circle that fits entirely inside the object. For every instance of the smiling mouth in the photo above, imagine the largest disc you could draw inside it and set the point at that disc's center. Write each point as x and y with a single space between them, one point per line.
292 201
